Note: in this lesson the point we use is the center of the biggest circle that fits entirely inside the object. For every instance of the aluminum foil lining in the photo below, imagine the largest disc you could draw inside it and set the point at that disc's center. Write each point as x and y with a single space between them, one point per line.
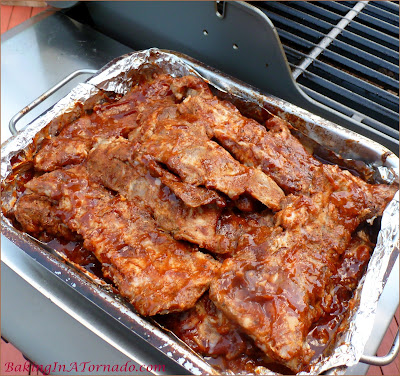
118 77
20 141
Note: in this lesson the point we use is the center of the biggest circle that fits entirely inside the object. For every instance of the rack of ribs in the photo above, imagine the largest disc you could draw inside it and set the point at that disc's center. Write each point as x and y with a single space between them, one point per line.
209 332
110 119
156 273
274 287
113 165
185 148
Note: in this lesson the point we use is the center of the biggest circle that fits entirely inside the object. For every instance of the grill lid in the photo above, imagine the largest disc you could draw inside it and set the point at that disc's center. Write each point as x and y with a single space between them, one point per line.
344 55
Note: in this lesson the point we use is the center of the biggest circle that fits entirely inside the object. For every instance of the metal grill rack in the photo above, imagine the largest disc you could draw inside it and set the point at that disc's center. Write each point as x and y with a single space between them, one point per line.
345 55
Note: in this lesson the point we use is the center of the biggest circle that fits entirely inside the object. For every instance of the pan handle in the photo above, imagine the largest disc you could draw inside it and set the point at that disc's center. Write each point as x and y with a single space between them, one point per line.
383 360
44 96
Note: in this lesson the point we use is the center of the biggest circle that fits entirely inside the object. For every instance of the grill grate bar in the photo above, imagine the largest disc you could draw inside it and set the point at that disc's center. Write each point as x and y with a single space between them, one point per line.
357 68
367 59
336 6
388 6
294 38
378 36
356 85
328 14
375 35
382 14
302 17
376 22
349 81
379 23
344 55
293 56
369 45
322 27
350 112
347 3
353 66
325 42
300 29
341 8
369 107
357 54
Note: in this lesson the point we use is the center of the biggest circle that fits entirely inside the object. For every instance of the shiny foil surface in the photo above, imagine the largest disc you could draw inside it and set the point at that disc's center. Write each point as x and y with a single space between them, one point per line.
119 75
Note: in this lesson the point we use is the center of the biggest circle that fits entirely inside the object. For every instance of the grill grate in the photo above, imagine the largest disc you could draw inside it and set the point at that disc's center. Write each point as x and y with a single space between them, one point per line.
344 54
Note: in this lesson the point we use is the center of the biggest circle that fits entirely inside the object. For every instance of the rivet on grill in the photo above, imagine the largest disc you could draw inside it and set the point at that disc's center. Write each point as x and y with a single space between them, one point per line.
205 32
235 46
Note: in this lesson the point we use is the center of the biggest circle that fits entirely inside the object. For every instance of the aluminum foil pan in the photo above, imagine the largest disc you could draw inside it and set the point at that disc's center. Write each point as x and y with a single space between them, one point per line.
117 77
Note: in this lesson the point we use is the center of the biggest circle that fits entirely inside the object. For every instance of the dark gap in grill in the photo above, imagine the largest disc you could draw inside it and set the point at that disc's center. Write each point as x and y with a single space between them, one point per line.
285 11
302 31
295 42
329 86
293 57
314 10
351 99
364 58
374 35
349 4
295 47
369 46
393 132
385 27
333 7
385 15
389 6
355 85
340 107
384 82
361 28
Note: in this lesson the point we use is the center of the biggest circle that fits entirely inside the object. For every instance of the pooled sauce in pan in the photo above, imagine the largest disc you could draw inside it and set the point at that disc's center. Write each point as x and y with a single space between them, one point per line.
75 252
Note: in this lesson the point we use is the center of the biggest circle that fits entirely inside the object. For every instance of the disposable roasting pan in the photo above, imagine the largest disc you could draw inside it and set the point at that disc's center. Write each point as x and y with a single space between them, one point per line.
117 76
